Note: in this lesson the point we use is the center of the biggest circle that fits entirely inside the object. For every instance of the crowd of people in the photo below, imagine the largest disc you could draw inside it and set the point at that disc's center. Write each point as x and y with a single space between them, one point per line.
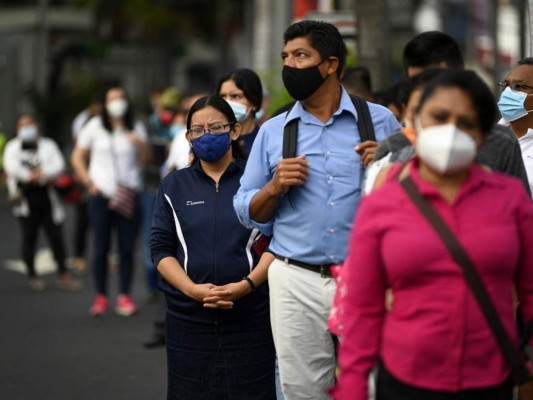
283 246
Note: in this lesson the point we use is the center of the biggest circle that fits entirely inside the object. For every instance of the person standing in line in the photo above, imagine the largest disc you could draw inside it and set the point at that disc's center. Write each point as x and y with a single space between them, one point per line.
116 146
243 90
432 341
32 163
306 203
516 108
431 50
219 341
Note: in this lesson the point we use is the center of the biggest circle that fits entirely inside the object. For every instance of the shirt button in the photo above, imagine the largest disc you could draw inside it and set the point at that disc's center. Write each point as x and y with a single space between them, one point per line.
331 203
328 153
331 230
330 178
331 257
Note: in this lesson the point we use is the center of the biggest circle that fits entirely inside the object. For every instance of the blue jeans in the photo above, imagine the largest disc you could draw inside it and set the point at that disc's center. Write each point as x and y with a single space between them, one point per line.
150 270
215 362
103 221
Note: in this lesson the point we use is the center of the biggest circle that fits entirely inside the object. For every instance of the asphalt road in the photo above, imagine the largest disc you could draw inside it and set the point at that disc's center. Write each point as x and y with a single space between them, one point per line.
52 349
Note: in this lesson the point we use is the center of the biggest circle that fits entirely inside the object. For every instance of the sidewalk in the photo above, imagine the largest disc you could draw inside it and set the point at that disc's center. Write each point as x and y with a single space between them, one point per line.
52 349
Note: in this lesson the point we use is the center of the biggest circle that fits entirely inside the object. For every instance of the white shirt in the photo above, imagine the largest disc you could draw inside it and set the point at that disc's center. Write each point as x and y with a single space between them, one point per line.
526 145
179 154
47 158
114 159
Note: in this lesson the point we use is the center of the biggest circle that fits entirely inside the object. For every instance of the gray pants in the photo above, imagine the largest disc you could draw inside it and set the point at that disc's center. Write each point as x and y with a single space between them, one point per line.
300 302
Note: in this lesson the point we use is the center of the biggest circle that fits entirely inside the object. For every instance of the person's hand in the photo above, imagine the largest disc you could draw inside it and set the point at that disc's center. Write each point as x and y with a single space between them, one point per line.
289 172
92 189
36 175
525 392
224 296
367 151
215 294
134 138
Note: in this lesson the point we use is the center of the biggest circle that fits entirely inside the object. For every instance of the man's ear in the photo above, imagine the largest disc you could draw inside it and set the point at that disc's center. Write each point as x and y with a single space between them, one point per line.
333 65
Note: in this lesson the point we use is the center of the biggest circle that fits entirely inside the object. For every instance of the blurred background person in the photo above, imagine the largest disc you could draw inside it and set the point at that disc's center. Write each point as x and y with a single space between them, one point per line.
219 340
358 82
490 214
32 163
516 108
81 216
160 134
243 90
113 145
390 98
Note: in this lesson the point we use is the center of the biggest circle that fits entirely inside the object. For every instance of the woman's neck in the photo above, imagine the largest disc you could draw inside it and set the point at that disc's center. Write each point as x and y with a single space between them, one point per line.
216 169
447 185
117 123
248 125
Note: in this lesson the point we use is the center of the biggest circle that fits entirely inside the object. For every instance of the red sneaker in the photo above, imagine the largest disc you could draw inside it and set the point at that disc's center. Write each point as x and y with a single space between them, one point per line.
125 306
100 306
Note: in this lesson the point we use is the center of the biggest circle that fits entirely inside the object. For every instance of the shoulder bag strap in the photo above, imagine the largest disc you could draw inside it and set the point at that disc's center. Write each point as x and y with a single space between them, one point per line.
364 120
515 360
290 138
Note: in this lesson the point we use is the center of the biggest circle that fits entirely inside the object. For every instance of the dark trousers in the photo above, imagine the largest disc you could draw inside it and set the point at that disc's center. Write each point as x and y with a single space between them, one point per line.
30 229
81 227
220 362
389 388
103 221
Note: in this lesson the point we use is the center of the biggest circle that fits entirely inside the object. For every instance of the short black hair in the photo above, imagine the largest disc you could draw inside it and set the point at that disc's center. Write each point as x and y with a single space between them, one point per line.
430 49
525 61
249 82
357 77
323 36
469 82
389 95
221 105
417 82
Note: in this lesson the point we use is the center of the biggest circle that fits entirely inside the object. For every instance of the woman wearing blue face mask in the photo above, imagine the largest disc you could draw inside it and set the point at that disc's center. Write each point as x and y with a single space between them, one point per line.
243 91
516 108
218 336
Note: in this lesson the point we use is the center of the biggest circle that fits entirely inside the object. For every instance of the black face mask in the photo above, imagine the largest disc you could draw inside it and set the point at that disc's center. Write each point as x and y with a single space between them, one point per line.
302 82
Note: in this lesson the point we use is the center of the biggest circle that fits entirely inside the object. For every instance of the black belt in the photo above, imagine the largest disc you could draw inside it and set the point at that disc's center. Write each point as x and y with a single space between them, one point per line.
324 269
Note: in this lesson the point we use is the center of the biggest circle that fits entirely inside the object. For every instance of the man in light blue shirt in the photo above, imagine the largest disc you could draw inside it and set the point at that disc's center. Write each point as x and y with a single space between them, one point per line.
307 203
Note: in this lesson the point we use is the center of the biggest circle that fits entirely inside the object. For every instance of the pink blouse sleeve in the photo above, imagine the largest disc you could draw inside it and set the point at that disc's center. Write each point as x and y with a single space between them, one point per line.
364 306
524 276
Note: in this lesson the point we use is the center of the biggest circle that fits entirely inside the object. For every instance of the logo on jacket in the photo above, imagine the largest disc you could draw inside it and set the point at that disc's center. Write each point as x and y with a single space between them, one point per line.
194 203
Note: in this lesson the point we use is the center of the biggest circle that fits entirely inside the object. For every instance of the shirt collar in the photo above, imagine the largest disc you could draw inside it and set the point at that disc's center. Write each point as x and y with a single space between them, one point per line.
528 135
297 110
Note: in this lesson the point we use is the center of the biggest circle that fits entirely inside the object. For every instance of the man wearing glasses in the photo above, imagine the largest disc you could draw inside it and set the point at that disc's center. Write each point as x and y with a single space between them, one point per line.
516 107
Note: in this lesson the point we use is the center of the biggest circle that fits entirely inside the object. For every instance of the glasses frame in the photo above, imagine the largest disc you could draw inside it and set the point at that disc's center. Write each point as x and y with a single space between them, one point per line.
518 87
207 130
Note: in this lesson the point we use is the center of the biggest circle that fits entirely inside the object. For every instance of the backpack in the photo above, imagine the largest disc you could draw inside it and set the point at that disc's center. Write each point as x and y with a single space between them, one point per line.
364 124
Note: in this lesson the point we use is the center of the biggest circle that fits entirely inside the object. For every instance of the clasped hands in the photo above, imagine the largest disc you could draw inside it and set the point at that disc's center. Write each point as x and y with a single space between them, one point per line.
220 297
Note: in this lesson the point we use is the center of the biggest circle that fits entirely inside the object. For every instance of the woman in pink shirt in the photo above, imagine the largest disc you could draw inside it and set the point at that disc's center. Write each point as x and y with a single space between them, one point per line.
432 341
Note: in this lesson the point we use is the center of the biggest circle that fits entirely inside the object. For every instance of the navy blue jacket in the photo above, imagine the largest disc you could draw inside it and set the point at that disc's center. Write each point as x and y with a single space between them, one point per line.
194 221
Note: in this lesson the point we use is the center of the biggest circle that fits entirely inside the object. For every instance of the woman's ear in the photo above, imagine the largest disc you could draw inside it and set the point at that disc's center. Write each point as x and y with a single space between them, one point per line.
235 131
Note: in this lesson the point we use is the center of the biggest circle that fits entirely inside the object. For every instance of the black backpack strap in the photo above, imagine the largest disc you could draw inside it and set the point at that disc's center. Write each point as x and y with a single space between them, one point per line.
364 120
290 137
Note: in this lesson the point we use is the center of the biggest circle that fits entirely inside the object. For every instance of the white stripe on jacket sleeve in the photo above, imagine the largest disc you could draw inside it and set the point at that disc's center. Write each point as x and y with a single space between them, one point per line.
180 235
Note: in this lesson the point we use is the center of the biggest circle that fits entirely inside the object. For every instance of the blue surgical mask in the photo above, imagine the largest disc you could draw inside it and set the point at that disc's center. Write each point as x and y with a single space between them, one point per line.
240 110
28 133
211 148
511 105
259 114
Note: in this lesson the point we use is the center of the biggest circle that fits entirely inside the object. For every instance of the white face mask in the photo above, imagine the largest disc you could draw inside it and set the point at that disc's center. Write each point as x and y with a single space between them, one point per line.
445 148
117 108
28 133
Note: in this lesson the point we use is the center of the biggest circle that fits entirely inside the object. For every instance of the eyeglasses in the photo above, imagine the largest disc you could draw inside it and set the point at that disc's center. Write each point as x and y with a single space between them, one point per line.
519 87
196 132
